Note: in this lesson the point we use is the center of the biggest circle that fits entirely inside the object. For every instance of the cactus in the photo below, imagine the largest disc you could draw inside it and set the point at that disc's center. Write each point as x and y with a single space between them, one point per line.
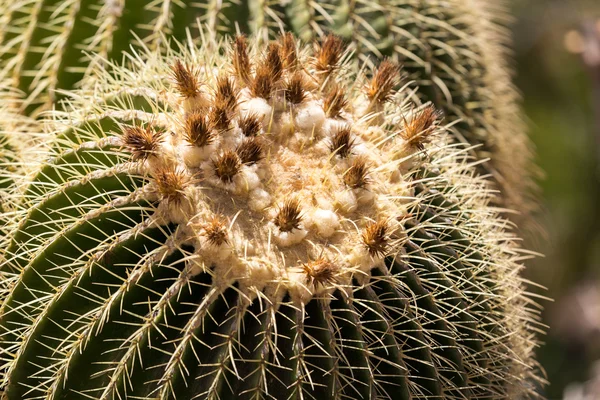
259 220
453 49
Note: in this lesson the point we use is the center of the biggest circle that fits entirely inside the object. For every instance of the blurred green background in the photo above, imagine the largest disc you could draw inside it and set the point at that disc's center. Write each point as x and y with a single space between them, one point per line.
557 44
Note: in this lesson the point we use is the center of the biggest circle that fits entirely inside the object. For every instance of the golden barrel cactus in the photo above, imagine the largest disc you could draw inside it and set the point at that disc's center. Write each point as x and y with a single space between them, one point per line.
258 220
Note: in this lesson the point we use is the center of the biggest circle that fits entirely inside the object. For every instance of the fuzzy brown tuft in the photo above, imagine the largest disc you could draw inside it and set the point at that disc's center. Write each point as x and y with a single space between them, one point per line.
171 183
225 94
225 103
357 176
381 88
227 165
289 53
376 238
328 54
250 125
295 88
219 117
419 130
342 142
241 60
216 231
335 101
289 216
198 130
263 83
142 141
321 272
186 79
273 61
250 151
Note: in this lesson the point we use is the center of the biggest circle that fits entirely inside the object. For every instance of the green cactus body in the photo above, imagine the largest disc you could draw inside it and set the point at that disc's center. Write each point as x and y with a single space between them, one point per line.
278 226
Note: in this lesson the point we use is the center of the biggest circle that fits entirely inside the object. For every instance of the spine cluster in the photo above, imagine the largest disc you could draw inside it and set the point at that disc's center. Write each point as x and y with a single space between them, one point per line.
276 133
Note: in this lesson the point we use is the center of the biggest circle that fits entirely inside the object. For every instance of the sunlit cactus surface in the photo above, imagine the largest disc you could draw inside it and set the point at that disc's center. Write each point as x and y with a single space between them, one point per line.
258 220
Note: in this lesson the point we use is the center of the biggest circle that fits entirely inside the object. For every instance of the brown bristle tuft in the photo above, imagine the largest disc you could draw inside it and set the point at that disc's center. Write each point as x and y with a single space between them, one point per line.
216 231
418 131
376 238
289 53
335 101
263 84
171 183
273 61
328 54
295 89
289 216
226 102
142 141
225 94
186 79
227 165
342 142
357 175
250 151
250 125
198 130
219 117
241 60
381 87
321 272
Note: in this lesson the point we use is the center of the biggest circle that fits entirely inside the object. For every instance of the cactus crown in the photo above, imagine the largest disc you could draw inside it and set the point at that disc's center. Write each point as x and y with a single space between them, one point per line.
258 221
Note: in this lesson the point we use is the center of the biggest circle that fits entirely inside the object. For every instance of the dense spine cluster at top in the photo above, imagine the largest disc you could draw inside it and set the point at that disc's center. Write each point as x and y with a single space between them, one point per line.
454 50
258 220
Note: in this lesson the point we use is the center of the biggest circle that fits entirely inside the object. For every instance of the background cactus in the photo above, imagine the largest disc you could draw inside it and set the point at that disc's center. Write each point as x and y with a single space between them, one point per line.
262 223
455 50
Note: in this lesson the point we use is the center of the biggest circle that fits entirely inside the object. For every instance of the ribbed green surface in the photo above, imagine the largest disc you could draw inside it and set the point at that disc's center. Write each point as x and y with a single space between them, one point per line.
47 46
